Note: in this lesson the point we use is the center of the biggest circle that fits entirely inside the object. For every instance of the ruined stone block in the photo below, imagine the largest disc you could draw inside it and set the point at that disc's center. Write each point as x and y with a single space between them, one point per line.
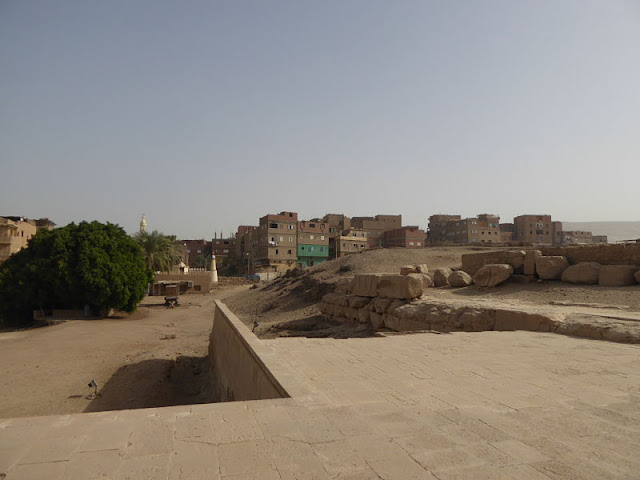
551 267
530 261
460 279
617 275
585 273
492 275
441 277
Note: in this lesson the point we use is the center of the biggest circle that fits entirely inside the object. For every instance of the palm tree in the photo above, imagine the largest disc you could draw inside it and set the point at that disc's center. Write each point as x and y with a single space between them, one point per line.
160 251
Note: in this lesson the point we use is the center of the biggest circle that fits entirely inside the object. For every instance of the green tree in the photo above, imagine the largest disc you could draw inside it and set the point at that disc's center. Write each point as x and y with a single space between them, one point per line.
160 251
86 264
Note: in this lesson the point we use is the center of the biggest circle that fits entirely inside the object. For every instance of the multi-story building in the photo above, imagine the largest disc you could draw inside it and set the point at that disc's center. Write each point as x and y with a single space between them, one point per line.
404 237
15 233
376 226
337 222
224 247
600 239
557 233
196 253
449 229
276 249
242 238
353 240
534 229
576 236
438 228
313 243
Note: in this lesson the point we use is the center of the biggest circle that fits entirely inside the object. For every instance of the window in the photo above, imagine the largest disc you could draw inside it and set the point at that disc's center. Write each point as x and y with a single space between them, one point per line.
312 225
361 246
321 237
273 225
273 239
188 251
289 252
332 230
418 244
281 239
226 250
291 239
302 248
311 248
276 251
290 227
311 237
410 243
474 231
199 251
482 232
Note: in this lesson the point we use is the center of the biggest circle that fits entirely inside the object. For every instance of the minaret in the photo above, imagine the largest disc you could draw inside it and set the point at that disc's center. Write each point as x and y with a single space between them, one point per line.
143 224
214 270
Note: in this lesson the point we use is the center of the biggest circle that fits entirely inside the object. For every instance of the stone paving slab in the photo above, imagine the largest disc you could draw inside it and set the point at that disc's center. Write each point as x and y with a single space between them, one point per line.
487 405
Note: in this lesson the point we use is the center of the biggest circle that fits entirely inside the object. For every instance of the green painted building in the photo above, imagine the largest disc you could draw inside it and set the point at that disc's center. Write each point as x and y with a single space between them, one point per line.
310 255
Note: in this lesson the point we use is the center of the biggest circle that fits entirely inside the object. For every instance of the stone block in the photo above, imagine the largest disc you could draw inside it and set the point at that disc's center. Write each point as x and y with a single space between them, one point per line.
415 268
441 277
366 285
585 273
399 286
492 275
363 315
355 301
424 279
617 275
460 279
530 261
381 305
472 262
388 286
344 285
551 267
509 320
376 320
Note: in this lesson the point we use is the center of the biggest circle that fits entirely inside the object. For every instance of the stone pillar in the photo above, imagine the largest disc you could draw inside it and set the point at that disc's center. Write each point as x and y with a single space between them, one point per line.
214 270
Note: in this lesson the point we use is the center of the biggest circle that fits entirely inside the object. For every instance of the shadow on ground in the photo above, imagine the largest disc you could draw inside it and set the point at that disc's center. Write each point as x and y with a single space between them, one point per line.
316 326
156 383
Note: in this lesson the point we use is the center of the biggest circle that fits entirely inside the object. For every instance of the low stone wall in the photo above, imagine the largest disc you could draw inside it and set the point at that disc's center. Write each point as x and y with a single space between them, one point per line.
238 371
433 315
201 281
605 254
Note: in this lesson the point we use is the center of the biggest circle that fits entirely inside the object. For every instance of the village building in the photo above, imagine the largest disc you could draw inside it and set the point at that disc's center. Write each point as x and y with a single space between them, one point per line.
313 243
15 233
376 226
452 229
404 237
536 229
353 240
576 236
276 249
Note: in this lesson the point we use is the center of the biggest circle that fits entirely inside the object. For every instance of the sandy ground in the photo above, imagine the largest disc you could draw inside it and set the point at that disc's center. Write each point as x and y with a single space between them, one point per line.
158 356
155 357
289 306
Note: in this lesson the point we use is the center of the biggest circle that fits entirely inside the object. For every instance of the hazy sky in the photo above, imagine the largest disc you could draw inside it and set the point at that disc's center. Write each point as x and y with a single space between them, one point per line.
209 114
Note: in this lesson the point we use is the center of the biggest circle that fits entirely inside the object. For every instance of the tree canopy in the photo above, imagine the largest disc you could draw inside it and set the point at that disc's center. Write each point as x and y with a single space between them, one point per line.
86 264
160 251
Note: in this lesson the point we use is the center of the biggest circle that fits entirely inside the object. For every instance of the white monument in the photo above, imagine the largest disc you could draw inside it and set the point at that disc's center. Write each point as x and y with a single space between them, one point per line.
214 270
143 224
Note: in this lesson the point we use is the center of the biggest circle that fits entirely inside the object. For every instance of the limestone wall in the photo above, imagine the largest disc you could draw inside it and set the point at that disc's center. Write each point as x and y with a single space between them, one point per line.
238 371
606 254
437 316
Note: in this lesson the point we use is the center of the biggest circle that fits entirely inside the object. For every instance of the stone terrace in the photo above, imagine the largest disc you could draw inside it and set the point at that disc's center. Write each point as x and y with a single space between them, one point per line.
486 405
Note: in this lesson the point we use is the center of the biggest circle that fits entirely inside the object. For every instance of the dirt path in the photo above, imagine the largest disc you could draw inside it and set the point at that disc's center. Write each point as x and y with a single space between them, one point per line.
155 357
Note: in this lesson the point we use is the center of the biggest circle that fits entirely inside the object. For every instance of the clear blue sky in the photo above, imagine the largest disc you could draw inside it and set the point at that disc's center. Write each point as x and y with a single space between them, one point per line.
209 114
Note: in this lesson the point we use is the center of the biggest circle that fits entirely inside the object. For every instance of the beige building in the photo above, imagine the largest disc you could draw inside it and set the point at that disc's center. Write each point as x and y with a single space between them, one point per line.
275 243
353 240
534 229
15 233
575 236
376 226
451 229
